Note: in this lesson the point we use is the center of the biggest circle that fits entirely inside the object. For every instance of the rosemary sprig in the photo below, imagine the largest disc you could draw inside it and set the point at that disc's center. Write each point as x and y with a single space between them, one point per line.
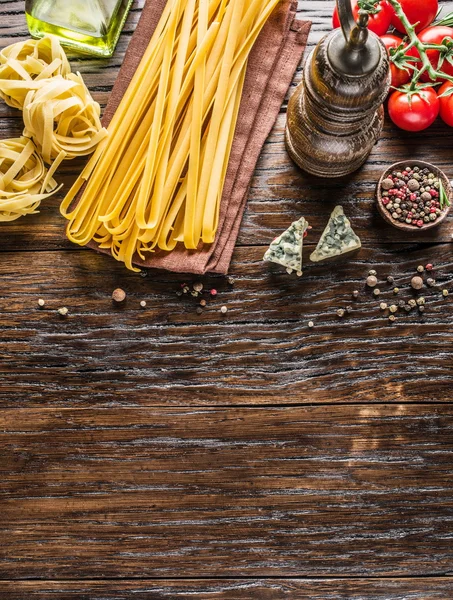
443 196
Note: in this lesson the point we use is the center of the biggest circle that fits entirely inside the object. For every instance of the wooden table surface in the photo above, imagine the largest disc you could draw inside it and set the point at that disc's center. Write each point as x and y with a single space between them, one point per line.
157 453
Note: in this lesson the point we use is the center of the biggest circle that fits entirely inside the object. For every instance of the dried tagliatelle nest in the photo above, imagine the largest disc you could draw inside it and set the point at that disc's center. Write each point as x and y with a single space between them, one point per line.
26 66
63 117
24 179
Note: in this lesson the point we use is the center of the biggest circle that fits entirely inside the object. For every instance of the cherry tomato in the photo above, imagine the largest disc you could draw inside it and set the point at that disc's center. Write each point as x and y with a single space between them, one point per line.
422 12
399 76
434 35
378 23
414 111
446 104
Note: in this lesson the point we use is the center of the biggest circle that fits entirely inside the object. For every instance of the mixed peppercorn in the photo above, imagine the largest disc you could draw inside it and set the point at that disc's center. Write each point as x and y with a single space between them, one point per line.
414 196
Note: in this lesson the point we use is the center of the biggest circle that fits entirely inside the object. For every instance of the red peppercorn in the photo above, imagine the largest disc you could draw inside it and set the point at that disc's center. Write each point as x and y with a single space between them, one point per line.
429 267
385 201
433 193
413 197
419 223
213 292
432 210
404 173
414 221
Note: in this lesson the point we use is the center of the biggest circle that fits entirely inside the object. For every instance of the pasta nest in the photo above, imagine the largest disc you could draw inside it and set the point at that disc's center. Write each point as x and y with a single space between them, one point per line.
26 66
24 179
62 116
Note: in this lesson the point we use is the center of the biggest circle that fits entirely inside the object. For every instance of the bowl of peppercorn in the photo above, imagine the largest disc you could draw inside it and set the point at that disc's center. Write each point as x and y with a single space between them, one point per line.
414 195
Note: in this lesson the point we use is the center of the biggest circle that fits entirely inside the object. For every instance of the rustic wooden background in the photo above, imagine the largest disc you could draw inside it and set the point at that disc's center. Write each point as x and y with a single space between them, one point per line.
159 453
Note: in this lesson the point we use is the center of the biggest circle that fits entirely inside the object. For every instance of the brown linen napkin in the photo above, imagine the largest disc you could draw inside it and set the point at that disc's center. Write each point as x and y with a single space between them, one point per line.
271 66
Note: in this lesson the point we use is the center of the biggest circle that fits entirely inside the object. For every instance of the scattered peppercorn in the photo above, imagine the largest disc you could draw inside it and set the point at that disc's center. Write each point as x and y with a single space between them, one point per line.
421 308
118 295
371 281
63 311
417 282
376 291
393 308
396 290
143 303
143 273
194 293
421 301
213 292
198 287
349 309
392 318
230 280
431 282
390 279
429 267
444 293
41 302
383 306
372 273
420 268
202 302
199 310
223 310
412 303
355 294
340 312
311 324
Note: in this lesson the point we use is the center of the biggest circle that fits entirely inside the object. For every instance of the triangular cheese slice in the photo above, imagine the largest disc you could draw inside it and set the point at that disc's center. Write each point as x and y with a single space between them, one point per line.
286 249
337 238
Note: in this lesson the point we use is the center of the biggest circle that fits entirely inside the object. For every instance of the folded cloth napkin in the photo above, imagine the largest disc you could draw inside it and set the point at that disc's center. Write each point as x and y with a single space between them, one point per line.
271 65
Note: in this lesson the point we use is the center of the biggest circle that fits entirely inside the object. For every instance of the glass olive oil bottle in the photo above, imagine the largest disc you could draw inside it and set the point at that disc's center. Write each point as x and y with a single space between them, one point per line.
89 26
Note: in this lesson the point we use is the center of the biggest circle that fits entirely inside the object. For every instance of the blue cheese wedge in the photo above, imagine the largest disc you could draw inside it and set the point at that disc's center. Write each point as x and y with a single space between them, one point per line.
286 249
338 237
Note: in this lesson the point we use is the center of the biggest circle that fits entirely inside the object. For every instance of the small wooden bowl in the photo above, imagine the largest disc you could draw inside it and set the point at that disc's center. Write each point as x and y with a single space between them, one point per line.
399 166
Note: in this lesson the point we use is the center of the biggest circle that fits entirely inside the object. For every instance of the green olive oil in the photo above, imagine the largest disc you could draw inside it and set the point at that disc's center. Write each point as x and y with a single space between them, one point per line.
88 26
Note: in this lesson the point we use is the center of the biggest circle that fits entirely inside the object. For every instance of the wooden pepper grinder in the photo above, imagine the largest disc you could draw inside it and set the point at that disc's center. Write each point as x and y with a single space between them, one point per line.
335 116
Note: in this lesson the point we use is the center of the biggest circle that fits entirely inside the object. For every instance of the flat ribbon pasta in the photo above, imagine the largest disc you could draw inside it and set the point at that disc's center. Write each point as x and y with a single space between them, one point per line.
62 116
26 66
24 179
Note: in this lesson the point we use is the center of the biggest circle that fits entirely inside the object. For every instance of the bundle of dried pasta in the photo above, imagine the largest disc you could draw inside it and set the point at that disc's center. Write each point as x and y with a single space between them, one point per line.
158 178
24 180
26 66
63 117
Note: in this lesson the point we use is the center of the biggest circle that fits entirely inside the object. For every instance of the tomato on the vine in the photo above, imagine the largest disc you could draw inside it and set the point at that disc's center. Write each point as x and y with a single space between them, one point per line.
414 110
399 76
379 23
422 12
446 103
434 35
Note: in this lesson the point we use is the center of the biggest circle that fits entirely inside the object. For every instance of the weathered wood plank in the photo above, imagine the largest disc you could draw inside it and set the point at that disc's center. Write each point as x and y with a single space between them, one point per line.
261 351
163 493
435 588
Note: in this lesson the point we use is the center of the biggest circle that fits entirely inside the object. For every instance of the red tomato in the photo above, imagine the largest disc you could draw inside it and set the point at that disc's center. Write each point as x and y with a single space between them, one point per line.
422 12
399 76
434 35
446 104
378 23
416 111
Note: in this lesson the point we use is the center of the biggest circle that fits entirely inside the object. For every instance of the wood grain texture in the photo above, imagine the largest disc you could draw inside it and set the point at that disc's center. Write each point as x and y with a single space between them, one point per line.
125 451
289 491
261 351
435 588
